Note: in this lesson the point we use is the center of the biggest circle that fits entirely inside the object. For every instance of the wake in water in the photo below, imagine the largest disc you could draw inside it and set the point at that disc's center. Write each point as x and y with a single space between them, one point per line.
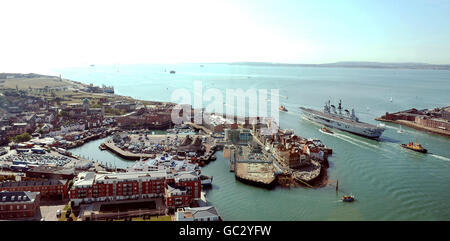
440 157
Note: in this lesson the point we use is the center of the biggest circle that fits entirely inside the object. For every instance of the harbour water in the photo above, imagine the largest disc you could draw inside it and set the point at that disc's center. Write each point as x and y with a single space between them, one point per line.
389 182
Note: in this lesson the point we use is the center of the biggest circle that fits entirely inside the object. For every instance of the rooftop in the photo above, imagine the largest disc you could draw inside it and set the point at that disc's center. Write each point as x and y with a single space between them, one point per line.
33 183
202 212
6 197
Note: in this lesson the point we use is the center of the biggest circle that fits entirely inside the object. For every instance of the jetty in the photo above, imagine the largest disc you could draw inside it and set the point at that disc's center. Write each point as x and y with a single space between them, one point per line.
126 154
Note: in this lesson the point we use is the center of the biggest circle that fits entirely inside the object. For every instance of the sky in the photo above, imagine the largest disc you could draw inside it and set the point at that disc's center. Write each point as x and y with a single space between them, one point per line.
46 34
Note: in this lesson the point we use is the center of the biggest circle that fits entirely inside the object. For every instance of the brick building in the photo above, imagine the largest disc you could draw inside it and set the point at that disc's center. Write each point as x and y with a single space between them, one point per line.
49 189
90 187
433 122
150 120
3 137
18 205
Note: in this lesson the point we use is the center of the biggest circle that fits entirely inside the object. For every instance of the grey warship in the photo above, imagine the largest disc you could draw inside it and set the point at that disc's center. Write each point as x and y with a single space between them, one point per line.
342 120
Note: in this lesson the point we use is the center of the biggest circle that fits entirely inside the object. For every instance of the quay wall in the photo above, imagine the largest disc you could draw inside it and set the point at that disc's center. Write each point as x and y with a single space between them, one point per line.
417 126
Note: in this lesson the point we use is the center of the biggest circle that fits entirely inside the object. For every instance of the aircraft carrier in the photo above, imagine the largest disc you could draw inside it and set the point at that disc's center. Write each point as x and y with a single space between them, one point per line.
342 120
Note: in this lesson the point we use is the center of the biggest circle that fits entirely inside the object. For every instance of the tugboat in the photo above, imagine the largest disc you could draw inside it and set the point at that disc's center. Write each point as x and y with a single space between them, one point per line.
282 108
348 198
326 130
415 147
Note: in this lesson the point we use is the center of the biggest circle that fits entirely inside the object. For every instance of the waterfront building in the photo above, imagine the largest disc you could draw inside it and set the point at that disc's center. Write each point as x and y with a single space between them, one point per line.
90 187
49 189
176 197
18 205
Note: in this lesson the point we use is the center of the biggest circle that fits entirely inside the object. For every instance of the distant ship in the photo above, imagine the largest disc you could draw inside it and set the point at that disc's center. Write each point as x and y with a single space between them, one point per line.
172 71
342 120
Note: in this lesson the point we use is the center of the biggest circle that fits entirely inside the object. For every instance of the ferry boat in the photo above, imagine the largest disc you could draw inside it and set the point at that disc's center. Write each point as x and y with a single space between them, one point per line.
348 198
282 108
415 147
342 120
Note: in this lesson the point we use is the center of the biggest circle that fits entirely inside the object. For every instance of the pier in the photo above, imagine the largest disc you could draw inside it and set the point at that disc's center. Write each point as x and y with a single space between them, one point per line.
126 154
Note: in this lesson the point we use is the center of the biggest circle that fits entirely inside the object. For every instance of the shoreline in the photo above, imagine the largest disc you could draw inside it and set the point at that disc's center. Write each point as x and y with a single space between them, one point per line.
416 126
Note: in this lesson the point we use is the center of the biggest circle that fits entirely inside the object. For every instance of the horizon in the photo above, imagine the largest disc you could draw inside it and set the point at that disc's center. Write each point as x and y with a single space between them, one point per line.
50 35
53 71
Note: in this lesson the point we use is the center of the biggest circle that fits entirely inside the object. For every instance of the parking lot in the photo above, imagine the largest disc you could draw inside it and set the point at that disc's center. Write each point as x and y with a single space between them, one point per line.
48 210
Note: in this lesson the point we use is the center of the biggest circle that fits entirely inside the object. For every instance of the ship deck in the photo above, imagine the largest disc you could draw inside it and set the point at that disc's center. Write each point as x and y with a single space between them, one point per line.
340 119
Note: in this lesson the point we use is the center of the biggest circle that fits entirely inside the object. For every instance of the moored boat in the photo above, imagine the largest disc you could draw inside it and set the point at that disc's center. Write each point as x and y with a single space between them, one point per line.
206 180
102 147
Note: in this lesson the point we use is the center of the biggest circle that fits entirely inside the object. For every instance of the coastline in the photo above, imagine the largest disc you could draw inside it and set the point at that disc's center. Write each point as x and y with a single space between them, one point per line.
416 126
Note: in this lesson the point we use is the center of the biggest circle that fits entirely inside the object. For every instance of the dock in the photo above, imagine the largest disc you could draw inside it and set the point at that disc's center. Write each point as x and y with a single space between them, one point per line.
256 173
126 154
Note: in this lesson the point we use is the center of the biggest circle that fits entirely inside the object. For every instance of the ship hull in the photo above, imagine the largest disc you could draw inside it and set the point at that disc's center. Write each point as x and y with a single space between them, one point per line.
412 149
358 128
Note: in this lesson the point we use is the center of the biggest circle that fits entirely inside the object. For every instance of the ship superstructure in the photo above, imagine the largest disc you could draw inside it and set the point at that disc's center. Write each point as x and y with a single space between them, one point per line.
342 119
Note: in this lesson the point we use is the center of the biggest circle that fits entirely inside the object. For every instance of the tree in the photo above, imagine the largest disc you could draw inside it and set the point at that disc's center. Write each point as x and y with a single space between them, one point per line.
22 137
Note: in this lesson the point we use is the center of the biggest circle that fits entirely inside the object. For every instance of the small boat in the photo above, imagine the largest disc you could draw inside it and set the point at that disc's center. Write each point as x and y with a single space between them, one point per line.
206 180
415 147
326 130
282 108
400 130
390 99
102 147
348 198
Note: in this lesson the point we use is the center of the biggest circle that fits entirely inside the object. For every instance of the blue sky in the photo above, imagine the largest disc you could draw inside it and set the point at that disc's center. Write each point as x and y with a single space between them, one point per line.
395 31
53 34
